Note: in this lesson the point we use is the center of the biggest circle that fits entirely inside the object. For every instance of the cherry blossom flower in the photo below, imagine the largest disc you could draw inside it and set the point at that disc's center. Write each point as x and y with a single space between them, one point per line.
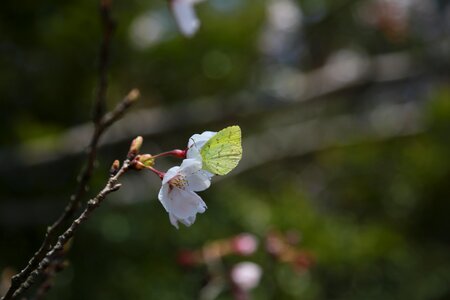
177 193
184 13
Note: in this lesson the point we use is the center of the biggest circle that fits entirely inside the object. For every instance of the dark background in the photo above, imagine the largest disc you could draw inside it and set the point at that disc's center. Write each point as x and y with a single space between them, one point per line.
345 111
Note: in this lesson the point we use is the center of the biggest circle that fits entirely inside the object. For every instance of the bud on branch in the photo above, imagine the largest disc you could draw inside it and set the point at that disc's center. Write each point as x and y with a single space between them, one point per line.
135 147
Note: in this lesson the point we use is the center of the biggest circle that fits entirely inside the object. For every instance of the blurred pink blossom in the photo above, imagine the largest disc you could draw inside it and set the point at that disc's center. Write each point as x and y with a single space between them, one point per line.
246 275
244 244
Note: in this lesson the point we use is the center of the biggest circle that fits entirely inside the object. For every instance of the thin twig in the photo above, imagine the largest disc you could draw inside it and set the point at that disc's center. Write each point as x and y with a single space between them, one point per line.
92 204
57 264
108 26
74 202
101 123
111 117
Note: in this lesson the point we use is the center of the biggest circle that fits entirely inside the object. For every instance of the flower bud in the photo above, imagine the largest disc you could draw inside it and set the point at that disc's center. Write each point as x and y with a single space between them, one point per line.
133 95
114 167
135 147
179 153
146 160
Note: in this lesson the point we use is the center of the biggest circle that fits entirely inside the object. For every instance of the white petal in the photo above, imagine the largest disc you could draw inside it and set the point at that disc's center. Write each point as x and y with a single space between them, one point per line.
188 221
201 207
171 173
198 181
207 174
196 142
194 153
191 220
163 196
173 220
199 140
185 16
184 204
190 166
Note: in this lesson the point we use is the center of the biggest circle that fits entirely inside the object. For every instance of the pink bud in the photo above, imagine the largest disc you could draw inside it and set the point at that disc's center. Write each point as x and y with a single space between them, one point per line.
114 167
179 153
135 147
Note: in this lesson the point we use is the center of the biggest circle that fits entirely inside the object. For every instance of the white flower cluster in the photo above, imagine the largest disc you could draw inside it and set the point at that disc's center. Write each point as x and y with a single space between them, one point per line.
179 184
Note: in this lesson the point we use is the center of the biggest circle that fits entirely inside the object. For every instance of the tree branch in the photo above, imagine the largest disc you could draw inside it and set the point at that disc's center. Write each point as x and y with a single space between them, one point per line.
108 26
57 264
111 186
75 198
101 123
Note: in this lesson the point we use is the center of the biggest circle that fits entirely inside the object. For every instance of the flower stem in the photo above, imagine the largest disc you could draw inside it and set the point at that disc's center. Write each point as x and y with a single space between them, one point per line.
177 153
157 172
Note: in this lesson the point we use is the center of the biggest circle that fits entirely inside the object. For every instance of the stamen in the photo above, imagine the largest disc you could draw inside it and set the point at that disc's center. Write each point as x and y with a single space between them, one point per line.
178 181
